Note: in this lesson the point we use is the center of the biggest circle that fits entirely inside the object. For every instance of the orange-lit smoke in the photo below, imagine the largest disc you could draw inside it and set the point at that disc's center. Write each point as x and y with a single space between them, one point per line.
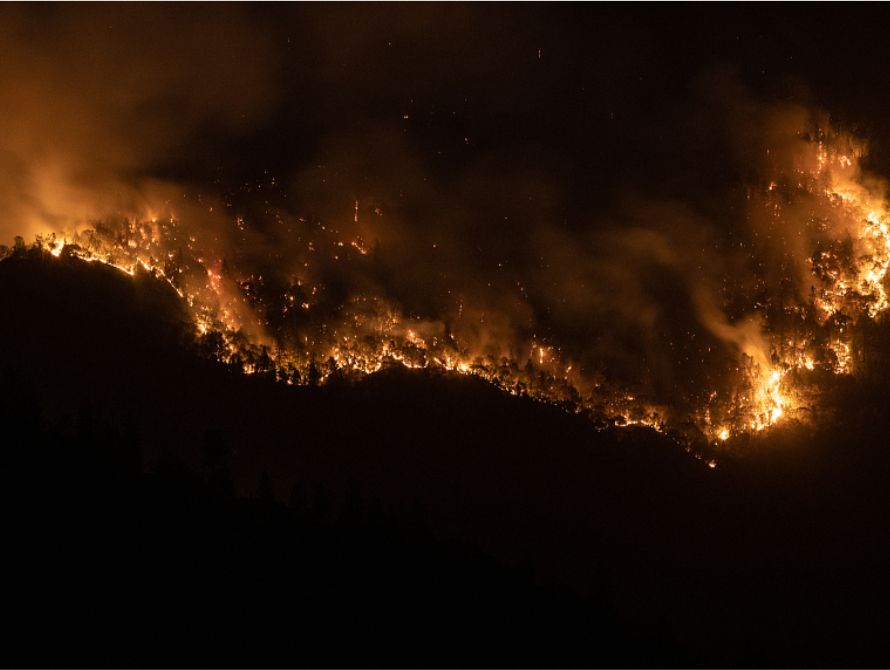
98 102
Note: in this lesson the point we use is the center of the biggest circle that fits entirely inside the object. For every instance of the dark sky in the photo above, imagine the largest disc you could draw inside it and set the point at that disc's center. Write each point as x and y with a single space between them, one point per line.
558 170
585 99
572 173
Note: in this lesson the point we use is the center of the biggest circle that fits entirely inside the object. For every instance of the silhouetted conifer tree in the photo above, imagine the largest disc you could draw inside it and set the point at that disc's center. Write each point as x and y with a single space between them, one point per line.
295 376
313 376
335 374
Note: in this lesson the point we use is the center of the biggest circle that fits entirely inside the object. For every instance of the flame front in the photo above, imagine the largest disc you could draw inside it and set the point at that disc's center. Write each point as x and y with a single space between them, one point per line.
293 332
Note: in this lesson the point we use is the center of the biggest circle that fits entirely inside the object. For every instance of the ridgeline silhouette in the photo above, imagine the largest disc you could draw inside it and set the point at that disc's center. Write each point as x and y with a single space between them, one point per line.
164 509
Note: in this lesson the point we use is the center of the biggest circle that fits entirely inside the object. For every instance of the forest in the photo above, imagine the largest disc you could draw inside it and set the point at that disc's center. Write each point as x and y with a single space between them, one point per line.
164 509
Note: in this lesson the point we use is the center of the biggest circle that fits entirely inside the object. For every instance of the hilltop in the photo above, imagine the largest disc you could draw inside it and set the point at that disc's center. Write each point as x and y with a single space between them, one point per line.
773 557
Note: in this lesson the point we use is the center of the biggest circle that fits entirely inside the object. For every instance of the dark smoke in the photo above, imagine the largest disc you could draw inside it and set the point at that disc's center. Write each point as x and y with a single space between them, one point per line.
522 180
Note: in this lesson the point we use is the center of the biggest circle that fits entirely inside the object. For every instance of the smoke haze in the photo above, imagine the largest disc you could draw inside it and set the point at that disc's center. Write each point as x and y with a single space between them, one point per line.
518 181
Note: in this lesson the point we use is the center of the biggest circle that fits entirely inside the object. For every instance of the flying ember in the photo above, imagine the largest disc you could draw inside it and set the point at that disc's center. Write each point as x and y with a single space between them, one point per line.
302 328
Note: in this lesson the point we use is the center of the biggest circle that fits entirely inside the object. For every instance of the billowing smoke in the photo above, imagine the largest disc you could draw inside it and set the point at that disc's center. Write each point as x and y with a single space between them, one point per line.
491 185
99 102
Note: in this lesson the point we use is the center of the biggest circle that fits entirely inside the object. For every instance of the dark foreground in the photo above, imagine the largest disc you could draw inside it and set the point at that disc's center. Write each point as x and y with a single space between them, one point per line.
161 510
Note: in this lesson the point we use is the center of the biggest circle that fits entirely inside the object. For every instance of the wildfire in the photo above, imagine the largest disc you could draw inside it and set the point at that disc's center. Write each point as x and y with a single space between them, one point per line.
296 333
771 401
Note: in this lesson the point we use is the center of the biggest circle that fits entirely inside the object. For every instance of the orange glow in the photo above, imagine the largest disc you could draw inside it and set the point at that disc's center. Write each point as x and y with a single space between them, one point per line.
372 333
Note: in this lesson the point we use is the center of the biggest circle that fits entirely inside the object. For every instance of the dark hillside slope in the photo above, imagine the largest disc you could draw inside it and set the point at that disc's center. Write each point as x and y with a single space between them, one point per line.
774 558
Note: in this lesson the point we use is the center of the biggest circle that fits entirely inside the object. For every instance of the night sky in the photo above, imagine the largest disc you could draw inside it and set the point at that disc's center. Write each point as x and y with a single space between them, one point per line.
577 174
528 174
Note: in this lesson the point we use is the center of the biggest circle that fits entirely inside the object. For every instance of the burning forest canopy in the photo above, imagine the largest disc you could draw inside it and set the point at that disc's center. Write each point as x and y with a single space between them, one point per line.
389 219
299 300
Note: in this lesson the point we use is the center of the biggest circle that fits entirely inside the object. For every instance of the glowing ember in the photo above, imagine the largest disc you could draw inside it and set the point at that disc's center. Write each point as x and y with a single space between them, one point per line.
298 331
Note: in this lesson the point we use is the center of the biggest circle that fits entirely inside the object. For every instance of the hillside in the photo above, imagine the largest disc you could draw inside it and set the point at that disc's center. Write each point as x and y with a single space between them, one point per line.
776 556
